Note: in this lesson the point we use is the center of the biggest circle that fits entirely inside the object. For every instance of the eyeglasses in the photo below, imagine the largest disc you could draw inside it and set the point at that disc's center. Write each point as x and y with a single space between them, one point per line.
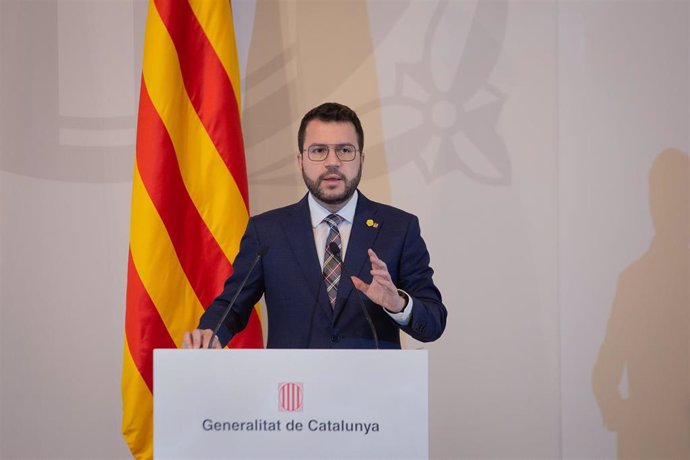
319 152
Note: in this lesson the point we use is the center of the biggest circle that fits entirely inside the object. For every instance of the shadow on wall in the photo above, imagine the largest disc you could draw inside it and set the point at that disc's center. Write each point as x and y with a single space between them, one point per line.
648 333
303 54
441 107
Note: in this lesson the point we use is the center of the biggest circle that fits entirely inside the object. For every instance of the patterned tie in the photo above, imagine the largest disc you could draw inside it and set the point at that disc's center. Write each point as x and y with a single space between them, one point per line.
331 264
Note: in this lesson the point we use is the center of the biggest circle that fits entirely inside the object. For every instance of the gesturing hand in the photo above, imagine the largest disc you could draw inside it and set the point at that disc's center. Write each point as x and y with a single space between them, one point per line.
381 290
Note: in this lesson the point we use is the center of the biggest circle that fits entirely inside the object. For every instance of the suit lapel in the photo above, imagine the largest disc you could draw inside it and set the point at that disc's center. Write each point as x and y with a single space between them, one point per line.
300 236
365 229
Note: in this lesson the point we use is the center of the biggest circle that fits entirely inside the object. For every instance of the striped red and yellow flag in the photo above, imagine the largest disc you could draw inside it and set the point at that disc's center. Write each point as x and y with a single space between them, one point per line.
189 193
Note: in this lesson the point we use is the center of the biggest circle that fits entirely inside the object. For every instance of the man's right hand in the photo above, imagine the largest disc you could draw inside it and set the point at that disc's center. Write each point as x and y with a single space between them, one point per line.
199 338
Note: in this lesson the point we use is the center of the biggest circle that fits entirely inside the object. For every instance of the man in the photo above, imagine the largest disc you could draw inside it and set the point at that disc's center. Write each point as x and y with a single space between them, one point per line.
309 303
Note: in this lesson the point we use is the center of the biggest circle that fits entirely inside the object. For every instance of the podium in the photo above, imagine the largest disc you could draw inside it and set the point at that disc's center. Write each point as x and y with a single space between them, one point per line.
291 404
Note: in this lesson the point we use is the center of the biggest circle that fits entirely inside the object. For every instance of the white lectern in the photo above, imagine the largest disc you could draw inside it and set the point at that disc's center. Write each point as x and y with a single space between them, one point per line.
293 404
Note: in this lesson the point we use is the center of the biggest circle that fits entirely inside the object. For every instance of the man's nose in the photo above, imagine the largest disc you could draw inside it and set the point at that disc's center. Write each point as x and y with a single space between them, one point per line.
331 158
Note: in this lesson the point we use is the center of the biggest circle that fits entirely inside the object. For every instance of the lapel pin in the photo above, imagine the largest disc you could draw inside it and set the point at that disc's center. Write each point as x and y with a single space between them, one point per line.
371 223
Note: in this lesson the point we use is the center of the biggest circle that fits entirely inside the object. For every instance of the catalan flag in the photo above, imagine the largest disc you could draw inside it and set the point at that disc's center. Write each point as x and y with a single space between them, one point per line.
189 193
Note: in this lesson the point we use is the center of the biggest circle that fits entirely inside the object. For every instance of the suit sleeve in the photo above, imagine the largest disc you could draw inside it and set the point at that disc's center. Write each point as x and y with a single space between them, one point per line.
428 319
238 317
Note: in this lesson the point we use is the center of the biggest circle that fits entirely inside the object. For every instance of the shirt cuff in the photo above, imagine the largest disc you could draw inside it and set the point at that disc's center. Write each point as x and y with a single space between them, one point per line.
403 317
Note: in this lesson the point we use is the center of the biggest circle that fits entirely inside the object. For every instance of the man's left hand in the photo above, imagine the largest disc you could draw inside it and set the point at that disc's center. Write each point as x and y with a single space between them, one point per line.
381 290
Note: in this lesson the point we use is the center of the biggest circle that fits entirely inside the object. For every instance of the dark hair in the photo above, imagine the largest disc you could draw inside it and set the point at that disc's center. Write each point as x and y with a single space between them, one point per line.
330 112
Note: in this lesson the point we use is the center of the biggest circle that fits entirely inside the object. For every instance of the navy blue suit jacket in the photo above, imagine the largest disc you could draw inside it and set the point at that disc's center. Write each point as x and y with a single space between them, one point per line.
289 275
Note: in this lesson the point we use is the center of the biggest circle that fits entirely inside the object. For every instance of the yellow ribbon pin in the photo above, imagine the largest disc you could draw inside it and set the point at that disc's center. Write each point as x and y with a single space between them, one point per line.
371 223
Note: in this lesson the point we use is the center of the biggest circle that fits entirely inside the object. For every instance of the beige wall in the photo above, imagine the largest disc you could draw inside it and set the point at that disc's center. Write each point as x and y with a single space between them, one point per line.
523 134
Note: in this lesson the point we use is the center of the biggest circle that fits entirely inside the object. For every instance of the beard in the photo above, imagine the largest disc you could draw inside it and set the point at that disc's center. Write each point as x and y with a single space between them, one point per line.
314 186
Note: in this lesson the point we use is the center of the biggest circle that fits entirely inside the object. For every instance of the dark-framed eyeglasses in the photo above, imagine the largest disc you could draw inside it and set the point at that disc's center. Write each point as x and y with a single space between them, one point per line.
319 152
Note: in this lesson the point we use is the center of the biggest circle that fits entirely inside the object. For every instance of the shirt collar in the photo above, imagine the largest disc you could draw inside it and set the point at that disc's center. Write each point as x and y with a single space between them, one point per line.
318 212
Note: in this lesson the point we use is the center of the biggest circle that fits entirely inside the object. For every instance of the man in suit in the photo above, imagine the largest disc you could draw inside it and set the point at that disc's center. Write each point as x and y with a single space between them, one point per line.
309 288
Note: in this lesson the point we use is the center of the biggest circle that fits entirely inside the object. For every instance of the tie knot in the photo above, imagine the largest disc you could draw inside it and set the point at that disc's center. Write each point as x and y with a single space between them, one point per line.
333 220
